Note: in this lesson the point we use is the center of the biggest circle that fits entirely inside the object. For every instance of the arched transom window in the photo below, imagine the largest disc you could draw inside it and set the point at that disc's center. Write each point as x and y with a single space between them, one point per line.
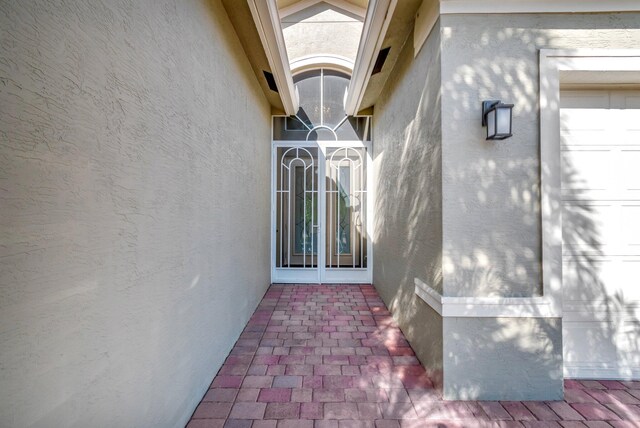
321 115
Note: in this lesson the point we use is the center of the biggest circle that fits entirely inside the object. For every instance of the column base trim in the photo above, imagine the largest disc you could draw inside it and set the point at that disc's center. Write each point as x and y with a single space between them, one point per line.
487 307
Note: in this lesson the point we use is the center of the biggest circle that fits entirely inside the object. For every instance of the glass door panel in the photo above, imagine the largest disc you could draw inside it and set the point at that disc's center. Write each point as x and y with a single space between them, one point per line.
346 201
296 202
320 204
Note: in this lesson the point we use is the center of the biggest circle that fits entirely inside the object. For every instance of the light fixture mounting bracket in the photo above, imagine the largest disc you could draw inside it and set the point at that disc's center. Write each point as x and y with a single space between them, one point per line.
486 106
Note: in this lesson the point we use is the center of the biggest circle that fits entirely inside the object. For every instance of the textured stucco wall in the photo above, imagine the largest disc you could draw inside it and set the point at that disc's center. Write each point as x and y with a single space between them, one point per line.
407 168
134 208
503 359
491 190
488 230
322 29
491 217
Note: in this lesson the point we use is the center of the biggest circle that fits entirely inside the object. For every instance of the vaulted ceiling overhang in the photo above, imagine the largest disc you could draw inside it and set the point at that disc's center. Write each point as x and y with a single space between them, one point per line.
387 24
267 19
257 24
420 16
376 23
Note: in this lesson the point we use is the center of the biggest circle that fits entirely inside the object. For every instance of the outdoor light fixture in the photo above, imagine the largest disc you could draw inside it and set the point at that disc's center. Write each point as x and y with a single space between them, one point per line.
497 118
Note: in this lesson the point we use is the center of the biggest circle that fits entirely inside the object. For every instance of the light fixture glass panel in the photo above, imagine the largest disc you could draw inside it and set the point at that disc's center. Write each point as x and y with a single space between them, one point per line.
491 123
504 120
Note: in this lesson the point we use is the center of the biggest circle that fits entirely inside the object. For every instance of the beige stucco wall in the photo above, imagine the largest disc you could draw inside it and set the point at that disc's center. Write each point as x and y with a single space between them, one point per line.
322 29
491 209
408 208
134 208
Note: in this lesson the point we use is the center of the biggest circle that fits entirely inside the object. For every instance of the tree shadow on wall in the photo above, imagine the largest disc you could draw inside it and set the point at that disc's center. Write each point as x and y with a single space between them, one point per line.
598 317
490 205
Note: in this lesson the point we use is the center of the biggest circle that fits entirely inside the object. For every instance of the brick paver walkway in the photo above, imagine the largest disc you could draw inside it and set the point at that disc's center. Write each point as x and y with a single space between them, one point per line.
332 357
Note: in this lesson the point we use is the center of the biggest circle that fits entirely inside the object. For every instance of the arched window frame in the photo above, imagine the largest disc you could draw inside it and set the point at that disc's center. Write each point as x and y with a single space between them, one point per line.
321 116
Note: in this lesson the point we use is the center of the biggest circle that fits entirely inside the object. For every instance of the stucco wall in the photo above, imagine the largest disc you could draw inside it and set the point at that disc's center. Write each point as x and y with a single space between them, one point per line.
134 208
491 190
491 213
488 228
408 220
322 29
503 359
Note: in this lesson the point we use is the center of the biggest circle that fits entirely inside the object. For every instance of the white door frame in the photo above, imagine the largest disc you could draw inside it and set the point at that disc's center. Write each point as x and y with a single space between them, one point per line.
554 64
321 274
560 67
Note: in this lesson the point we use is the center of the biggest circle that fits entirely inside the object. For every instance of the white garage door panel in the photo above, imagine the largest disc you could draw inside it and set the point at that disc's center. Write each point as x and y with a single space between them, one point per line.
630 233
629 171
600 134
575 162
588 227
595 283
601 227
605 360
594 334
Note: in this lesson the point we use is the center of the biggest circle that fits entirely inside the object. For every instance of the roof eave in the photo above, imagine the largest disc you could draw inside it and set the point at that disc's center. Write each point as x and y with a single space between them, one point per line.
376 23
267 21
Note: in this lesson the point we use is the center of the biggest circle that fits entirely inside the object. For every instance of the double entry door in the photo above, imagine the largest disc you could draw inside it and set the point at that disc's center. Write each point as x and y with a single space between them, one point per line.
320 213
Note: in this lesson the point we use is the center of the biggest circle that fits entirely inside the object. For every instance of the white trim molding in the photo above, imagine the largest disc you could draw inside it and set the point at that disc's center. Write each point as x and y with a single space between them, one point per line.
379 13
554 65
265 15
537 6
486 307
340 4
426 19
430 10
312 62
600 371
430 296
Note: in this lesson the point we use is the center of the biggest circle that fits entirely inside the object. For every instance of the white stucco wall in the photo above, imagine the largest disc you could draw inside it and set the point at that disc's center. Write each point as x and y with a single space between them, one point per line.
407 235
502 359
322 29
491 194
134 208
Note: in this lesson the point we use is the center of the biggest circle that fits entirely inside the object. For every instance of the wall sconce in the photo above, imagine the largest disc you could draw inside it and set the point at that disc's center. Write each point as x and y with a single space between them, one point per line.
497 118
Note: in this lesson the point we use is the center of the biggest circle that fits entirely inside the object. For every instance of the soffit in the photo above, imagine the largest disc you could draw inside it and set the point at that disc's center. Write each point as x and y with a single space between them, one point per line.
400 28
242 21
322 30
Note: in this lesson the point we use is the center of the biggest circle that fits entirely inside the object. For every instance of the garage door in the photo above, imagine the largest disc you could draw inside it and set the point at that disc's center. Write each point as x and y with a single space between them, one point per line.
600 134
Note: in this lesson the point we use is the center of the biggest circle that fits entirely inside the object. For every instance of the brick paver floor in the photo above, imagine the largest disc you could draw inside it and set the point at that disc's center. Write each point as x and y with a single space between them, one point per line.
332 357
